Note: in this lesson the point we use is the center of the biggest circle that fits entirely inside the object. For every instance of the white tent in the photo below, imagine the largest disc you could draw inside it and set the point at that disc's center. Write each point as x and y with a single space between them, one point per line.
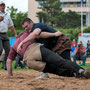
84 38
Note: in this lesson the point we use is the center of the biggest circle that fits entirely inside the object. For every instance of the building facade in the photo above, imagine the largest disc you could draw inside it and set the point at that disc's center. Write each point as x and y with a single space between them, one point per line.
66 5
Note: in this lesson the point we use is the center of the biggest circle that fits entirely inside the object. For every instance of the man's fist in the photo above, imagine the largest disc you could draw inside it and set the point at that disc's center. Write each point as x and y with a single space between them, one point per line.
58 33
1 18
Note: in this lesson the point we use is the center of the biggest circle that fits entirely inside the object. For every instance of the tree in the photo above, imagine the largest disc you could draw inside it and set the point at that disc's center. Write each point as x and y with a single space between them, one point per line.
16 16
70 20
53 15
51 12
19 17
12 11
42 17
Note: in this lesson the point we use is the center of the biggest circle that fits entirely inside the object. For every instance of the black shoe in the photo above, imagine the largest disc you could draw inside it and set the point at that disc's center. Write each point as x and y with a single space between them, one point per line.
15 67
2 67
5 68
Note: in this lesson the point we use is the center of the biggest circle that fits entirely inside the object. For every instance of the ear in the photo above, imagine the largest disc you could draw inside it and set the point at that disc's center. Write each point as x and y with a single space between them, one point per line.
31 22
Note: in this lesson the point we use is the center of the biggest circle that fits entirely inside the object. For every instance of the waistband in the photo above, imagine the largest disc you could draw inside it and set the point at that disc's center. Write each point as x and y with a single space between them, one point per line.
2 32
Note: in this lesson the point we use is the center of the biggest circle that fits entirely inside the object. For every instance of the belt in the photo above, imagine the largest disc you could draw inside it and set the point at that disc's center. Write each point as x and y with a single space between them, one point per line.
2 32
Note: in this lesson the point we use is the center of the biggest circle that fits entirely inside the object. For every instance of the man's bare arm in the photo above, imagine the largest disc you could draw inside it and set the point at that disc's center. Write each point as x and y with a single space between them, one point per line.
13 30
33 35
48 34
9 67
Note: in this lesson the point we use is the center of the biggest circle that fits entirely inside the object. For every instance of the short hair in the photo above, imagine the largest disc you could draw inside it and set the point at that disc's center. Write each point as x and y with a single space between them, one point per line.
26 20
2 3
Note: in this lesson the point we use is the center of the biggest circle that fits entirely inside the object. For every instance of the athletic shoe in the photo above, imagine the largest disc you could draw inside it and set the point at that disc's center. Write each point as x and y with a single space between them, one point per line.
43 75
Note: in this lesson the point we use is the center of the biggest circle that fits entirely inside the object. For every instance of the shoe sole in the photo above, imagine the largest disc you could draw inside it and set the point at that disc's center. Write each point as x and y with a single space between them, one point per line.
87 73
40 77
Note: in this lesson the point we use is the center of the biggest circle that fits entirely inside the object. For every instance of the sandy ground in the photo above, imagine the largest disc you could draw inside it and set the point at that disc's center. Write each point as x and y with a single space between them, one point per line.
25 80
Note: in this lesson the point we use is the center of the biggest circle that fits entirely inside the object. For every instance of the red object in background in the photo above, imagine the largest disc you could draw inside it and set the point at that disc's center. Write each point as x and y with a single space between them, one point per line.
80 34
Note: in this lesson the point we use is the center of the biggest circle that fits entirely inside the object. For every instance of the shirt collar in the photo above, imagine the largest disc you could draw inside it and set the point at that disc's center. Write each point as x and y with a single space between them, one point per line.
33 27
3 13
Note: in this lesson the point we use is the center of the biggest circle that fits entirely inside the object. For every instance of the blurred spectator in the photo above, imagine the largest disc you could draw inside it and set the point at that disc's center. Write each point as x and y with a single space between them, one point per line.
73 46
5 23
88 43
2 59
88 48
72 50
81 42
80 53
19 58
73 43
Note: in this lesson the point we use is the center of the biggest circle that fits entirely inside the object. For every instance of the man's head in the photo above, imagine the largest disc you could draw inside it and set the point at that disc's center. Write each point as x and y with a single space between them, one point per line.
73 40
2 6
27 24
79 44
88 41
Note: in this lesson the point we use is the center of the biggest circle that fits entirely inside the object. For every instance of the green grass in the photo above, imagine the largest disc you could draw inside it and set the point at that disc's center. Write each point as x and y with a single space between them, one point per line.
19 68
86 66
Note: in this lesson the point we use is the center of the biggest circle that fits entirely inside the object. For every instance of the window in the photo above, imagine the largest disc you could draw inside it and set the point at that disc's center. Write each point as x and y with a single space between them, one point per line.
39 4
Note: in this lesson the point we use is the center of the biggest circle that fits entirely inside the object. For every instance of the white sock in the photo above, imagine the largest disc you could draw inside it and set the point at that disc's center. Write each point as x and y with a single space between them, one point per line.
81 70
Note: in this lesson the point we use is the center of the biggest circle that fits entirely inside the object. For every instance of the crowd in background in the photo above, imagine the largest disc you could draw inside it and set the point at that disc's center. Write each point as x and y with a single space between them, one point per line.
79 52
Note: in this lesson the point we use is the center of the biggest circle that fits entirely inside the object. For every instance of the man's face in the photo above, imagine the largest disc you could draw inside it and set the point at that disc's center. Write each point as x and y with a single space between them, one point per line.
28 26
79 46
2 7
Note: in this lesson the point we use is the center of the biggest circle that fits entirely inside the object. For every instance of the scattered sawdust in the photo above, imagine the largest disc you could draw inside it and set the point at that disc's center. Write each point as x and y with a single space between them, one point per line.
25 80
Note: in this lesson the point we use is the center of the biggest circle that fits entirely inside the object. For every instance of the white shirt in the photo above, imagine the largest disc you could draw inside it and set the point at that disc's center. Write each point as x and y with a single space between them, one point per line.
7 22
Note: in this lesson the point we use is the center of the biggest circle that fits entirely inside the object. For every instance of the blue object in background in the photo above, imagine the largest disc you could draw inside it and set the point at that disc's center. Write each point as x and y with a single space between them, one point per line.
81 1
12 40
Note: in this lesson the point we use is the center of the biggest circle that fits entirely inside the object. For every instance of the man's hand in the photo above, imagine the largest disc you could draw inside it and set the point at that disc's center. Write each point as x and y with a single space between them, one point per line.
1 18
58 33
19 47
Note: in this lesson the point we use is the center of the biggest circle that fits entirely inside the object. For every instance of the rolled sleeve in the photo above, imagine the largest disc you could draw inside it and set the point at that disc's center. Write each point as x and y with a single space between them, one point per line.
12 54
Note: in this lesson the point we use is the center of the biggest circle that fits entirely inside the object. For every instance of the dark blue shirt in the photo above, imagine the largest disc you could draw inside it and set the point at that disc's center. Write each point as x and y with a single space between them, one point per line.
48 42
43 27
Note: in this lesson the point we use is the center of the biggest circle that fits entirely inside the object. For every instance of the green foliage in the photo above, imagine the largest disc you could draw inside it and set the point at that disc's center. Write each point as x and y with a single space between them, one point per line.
51 12
19 17
53 15
71 33
87 30
16 16
10 34
12 11
70 20
42 17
